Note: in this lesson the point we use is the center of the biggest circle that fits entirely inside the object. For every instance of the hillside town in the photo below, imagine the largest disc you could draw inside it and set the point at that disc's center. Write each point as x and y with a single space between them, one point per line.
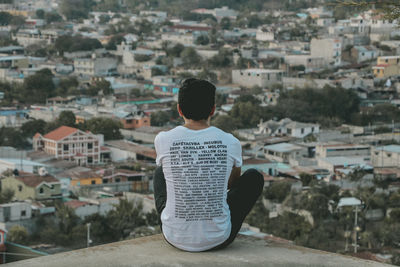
311 91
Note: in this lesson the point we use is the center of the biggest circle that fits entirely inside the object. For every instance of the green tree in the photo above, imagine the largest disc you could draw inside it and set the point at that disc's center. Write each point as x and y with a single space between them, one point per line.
225 123
278 191
76 9
40 13
67 118
306 178
126 216
6 195
202 40
102 86
38 87
12 137
105 126
225 23
30 128
159 118
190 58
18 234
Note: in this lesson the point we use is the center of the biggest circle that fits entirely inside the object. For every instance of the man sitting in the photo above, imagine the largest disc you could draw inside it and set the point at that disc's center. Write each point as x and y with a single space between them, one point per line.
199 193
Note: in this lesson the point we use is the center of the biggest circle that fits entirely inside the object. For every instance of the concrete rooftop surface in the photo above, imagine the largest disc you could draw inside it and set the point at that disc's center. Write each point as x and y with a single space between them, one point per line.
154 251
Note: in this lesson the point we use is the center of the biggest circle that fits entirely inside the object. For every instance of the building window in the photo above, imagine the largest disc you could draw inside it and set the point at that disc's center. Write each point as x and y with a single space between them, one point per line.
90 145
117 180
23 213
105 181
65 147
312 129
93 182
302 130
90 160
389 155
20 188
41 191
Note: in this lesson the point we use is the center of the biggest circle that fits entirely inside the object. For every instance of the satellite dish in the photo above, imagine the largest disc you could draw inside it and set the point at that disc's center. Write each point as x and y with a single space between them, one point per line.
43 171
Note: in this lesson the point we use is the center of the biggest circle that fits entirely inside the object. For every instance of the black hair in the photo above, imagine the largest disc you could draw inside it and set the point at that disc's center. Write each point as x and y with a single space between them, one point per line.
196 98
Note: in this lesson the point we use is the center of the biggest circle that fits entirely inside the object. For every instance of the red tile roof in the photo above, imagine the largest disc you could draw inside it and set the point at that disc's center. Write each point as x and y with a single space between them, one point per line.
75 203
37 135
60 133
33 180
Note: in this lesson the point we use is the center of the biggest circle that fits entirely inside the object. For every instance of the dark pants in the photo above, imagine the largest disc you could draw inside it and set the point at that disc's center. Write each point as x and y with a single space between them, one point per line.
241 198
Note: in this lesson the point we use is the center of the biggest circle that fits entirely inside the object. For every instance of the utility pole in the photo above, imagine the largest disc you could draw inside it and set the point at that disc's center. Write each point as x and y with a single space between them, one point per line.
88 235
356 229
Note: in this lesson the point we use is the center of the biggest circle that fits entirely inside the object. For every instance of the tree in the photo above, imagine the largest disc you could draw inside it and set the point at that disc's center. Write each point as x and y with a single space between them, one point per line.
102 86
225 23
5 18
6 195
202 40
126 216
67 118
76 9
12 137
51 17
40 13
159 118
207 75
18 234
225 123
222 60
38 87
306 178
67 43
105 126
30 128
278 191
190 58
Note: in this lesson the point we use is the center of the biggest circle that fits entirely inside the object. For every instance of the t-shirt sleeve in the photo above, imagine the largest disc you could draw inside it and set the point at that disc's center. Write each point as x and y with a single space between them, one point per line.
237 153
157 146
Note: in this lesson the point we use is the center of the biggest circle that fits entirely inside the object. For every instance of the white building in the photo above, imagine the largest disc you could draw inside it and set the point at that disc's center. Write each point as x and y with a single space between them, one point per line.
264 35
342 150
309 62
256 77
386 156
330 49
284 152
15 211
287 127
95 66
20 165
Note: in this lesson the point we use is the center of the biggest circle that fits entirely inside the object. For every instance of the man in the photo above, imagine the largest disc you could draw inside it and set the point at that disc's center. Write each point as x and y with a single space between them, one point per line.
198 164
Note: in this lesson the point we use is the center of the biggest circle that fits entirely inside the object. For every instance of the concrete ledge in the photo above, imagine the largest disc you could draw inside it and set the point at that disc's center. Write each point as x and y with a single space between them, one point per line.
154 251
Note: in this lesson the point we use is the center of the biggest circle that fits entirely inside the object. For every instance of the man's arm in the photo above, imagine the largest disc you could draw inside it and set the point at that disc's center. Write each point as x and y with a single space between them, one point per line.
235 174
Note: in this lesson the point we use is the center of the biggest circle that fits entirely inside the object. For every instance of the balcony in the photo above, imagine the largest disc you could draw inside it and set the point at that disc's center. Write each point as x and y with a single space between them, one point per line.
154 251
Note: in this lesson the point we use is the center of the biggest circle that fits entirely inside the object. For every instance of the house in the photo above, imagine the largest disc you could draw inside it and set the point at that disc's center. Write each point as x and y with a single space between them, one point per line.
122 150
104 66
342 150
283 152
329 48
80 176
256 77
33 186
363 53
386 156
133 118
20 165
265 35
387 66
309 62
70 144
287 127
334 163
15 211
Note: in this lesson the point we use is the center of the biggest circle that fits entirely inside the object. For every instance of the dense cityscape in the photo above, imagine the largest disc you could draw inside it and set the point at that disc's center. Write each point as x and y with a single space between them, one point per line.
309 87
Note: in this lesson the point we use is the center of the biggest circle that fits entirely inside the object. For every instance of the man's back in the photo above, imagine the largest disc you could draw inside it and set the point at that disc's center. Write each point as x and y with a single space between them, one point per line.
196 165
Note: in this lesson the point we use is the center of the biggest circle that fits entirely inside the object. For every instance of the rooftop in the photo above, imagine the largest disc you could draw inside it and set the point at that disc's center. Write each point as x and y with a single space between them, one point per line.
60 133
154 251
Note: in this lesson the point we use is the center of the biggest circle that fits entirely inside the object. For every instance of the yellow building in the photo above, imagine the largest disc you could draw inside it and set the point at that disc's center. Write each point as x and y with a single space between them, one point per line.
386 70
85 178
390 60
387 66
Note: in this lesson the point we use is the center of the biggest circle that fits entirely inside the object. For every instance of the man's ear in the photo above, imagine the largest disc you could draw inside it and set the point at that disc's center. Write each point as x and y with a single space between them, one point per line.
179 110
212 111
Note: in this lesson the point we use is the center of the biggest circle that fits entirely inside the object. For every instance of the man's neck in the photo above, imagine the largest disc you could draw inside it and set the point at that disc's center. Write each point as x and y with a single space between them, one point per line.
196 125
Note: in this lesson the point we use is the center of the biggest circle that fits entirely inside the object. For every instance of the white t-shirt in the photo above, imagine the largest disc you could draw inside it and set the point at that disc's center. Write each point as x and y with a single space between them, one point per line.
197 165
